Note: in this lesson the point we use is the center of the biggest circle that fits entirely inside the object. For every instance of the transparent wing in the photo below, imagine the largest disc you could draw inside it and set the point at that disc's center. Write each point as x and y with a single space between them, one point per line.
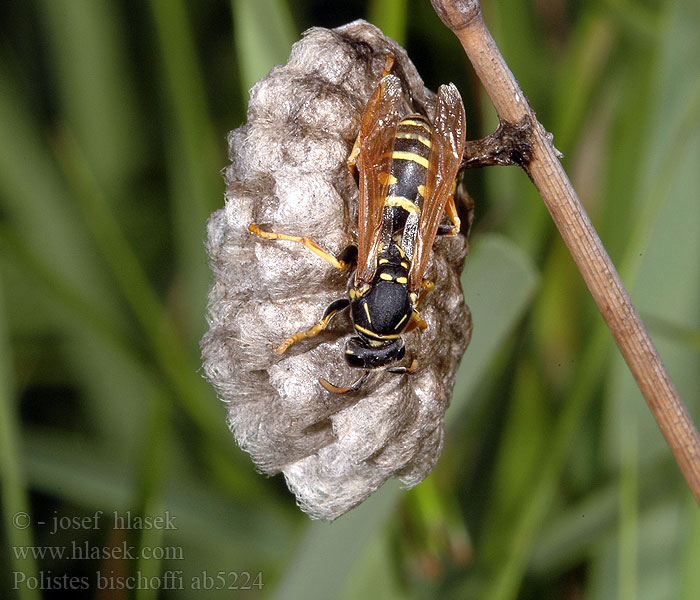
449 132
375 142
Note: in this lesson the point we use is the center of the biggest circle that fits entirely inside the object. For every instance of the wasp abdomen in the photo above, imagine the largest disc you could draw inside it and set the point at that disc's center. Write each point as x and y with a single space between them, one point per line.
410 158
409 168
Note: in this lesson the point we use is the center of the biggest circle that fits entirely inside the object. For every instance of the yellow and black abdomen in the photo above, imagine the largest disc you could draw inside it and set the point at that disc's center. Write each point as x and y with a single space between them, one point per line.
409 168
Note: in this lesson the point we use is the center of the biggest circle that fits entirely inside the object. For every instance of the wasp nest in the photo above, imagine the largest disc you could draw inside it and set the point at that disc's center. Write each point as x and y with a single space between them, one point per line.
289 174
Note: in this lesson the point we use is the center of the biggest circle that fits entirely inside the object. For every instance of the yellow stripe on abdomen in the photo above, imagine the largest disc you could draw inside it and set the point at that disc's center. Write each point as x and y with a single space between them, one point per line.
416 123
417 158
386 178
407 135
402 202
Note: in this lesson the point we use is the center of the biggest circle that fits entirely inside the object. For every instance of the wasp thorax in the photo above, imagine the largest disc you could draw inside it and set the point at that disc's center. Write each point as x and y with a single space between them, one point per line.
381 310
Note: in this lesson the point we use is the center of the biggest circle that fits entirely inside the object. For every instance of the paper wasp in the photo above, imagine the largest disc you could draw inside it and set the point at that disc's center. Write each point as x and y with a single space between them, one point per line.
406 169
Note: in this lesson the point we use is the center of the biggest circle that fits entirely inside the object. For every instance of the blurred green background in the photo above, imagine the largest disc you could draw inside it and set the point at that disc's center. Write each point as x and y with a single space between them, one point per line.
554 481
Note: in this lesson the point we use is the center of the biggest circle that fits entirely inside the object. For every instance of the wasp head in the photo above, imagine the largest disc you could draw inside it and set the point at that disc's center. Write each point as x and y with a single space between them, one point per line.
367 354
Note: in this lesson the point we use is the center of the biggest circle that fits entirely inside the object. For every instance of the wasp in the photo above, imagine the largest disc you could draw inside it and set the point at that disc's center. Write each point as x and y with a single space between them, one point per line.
406 169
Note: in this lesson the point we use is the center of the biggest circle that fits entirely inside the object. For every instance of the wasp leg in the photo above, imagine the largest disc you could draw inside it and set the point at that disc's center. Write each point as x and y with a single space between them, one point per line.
416 321
334 389
333 309
412 368
425 286
308 242
352 159
451 212
349 255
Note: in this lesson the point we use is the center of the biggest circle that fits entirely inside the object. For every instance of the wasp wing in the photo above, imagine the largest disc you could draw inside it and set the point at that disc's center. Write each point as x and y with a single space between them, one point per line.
375 144
447 147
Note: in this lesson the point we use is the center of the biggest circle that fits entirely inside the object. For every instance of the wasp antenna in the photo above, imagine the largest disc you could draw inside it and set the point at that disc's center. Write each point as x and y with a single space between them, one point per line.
334 389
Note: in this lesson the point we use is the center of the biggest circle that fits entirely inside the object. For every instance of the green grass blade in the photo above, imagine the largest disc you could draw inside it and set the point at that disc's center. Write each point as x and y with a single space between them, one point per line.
152 479
60 290
628 527
328 552
690 559
504 581
263 33
37 205
571 532
194 157
137 290
74 471
13 492
498 281
391 17
582 77
521 445
370 578
94 84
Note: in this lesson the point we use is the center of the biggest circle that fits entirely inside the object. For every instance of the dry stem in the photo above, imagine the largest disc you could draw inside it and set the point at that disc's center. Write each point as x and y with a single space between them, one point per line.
464 18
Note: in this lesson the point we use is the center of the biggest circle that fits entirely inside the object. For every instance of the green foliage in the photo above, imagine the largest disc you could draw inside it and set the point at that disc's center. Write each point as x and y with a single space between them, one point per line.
555 481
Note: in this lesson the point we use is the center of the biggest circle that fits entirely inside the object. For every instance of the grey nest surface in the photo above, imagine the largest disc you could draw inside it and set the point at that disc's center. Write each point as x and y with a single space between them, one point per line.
289 174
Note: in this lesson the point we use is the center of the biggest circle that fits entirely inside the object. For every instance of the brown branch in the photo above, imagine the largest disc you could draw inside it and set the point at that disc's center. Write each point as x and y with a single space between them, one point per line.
464 18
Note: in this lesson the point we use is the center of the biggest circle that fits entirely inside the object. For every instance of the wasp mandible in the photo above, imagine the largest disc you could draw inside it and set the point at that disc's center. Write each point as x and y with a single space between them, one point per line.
406 169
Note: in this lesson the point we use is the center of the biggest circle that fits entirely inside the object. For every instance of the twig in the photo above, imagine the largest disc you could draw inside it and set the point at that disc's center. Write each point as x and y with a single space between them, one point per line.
464 18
